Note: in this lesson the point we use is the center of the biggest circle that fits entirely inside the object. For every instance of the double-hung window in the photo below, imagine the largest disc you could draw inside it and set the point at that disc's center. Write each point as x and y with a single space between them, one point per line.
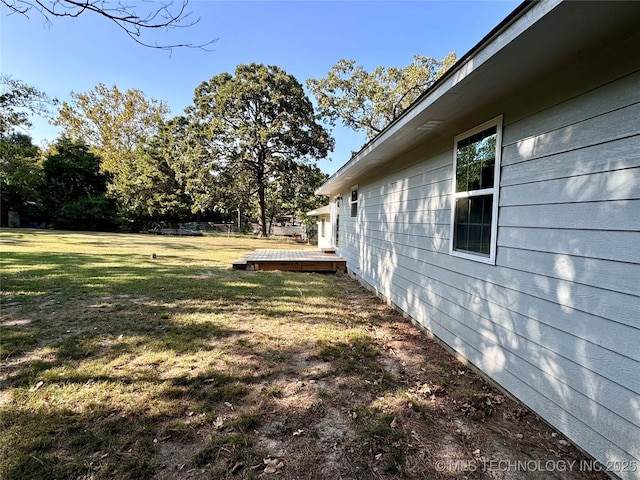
354 201
474 211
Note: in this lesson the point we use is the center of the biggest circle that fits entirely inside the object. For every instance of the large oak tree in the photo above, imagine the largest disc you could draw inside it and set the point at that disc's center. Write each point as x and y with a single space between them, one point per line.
256 126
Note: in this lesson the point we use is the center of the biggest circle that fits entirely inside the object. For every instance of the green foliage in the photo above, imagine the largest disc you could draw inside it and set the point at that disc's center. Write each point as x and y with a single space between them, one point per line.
20 174
121 128
369 101
74 193
113 123
249 142
151 193
182 151
19 100
296 194
255 127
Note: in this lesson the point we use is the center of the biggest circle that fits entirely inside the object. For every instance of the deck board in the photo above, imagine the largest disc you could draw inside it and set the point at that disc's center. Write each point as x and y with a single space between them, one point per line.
291 260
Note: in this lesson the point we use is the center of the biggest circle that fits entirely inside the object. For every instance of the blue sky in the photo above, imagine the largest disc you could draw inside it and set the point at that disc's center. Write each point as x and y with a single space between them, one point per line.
305 38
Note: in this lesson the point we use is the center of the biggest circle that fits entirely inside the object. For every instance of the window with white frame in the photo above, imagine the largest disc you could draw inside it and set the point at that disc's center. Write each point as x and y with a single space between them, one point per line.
354 201
336 241
474 210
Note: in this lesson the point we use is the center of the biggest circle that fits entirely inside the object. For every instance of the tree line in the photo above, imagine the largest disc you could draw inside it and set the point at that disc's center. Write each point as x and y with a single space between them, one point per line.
249 141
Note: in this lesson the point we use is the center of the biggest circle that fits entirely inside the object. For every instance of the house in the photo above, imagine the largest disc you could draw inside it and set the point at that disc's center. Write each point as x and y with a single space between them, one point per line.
323 219
501 212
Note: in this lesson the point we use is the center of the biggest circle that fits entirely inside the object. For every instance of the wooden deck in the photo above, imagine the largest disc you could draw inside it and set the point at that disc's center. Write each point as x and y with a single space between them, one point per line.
291 260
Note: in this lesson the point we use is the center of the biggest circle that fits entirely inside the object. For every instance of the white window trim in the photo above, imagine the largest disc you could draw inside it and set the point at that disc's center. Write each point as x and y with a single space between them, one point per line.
352 202
495 191
335 213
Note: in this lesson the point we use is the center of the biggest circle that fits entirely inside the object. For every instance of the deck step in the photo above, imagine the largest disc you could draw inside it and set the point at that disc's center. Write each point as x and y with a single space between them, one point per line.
240 264
292 261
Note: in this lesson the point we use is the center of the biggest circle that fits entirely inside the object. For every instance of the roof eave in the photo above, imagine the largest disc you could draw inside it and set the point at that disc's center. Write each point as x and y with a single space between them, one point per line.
461 69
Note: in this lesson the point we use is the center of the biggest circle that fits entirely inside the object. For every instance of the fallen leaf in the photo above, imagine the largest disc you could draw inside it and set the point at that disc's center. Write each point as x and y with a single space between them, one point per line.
218 423
36 386
272 465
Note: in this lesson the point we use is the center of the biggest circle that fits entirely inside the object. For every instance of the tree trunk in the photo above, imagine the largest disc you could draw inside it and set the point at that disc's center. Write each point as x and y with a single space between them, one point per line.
262 214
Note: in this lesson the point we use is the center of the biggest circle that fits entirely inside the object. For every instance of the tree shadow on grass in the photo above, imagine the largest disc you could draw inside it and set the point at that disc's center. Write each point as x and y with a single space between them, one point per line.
112 429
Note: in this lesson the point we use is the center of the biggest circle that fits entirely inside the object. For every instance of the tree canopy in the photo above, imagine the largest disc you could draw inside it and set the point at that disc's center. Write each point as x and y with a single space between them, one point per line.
119 128
20 174
249 141
369 101
18 101
74 193
255 127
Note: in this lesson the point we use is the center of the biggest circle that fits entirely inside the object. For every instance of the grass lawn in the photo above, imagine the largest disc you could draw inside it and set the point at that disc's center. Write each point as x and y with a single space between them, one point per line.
116 365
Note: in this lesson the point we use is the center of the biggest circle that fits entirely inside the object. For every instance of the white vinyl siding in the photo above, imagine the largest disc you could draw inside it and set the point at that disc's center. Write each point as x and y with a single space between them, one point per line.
556 320
324 233
349 228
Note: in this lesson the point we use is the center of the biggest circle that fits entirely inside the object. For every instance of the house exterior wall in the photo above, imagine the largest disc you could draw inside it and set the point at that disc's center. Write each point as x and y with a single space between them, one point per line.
556 321
324 232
